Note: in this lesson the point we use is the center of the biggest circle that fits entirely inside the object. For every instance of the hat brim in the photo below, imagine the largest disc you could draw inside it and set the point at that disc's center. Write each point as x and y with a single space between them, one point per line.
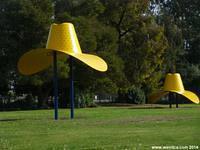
39 59
156 96
190 95
34 61
93 61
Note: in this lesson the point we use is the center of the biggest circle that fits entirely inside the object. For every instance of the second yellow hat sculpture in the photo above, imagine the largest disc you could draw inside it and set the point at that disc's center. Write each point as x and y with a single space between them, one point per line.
173 83
62 38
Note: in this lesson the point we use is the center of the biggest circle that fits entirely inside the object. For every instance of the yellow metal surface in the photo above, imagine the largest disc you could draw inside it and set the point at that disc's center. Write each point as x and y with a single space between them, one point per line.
92 61
191 96
173 83
62 38
34 61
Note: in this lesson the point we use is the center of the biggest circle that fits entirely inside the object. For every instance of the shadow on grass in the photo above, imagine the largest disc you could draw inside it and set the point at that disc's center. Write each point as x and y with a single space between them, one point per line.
42 118
136 106
9 120
163 107
148 106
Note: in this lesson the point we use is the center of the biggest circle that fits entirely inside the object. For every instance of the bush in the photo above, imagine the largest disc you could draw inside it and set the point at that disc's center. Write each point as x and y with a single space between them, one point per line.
136 95
26 103
132 95
85 99
29 102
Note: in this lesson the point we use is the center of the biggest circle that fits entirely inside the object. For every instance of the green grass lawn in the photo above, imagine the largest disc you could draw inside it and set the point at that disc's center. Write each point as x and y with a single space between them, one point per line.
100 128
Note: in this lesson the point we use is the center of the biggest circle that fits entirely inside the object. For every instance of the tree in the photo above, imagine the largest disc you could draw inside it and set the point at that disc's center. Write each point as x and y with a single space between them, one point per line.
174 55
186 16
95 37
124 33
24 26
181 20
41 84
141 42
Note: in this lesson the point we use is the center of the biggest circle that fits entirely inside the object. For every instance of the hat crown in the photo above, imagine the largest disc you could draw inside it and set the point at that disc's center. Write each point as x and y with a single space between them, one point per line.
173 82
62 37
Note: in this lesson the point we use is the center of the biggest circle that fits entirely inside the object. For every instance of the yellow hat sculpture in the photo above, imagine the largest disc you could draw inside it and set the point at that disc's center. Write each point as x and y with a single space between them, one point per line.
173 83
62 39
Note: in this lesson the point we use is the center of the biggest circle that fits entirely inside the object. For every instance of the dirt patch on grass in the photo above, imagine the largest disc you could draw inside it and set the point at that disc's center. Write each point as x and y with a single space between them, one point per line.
145 119
146 106
134 106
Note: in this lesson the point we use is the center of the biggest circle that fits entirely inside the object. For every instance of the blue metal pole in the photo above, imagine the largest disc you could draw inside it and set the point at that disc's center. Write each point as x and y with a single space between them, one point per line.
71 88
55 82
170 97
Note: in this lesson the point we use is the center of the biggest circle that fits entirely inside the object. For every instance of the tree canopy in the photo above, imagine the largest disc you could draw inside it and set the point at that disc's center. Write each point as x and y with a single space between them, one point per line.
140 41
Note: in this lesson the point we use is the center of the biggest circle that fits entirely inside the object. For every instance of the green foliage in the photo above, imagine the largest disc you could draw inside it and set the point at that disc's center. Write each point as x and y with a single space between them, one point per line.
182 19
186 14
65 10
141 42
85 99
175 51
29 102
124 33
24 26
106 85
41 84
191 75
136 95
97 38
181 28
146 56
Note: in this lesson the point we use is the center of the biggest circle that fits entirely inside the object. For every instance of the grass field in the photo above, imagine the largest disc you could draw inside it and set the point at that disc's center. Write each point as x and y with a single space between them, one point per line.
101 128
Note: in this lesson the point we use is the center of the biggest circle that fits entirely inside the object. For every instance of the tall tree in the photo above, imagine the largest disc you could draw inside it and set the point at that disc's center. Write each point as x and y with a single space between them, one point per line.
141 42
95 37
181 20
24 26
175 52
185 15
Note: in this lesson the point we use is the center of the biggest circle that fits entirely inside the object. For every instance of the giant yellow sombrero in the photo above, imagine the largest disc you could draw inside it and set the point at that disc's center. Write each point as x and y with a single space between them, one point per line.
173 83
62 38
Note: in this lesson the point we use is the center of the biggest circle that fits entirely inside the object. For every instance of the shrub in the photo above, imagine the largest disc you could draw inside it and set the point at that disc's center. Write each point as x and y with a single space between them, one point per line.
136 95
85 99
